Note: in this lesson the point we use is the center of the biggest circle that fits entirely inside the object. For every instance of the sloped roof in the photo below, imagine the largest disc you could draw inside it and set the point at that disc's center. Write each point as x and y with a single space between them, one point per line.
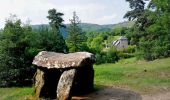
116 42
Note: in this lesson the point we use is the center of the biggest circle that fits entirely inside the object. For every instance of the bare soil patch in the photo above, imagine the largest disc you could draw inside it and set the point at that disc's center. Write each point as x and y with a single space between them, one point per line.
157 96
121 94
110 94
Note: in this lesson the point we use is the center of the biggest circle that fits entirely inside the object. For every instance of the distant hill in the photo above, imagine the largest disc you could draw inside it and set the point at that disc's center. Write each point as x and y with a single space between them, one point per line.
37 27
127 24
88 27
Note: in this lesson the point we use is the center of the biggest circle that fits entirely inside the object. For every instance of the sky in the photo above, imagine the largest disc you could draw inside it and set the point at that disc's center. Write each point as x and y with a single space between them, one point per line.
89 11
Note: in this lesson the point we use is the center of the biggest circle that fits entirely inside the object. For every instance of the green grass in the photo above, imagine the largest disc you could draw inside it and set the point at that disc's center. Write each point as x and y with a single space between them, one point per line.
15 93
139 76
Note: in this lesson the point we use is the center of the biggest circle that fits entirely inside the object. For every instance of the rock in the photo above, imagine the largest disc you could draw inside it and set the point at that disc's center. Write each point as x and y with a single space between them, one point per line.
45 83
83 82
65 85
59 76
60 60
39 82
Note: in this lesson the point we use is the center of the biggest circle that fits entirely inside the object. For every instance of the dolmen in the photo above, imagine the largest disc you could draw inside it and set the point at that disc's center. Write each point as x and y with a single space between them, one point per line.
60 76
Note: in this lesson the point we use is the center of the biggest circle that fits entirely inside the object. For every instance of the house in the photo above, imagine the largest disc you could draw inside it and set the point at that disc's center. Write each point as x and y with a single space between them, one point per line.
121 43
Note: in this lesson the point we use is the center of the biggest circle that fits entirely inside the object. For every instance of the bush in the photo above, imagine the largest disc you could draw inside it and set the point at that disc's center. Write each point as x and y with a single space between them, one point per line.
154 49
130 49
123 55
110 56
100 58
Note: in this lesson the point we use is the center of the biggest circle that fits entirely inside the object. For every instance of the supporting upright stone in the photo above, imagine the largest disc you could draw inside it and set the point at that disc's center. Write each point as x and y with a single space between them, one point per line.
65 85
39 82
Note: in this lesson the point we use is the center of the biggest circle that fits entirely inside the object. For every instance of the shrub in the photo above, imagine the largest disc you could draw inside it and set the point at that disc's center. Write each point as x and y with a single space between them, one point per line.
110 56
123 55
100 58
130 49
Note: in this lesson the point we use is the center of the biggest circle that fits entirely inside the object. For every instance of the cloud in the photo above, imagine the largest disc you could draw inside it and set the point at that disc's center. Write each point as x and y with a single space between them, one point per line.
87 13
106 19
36 10
90 11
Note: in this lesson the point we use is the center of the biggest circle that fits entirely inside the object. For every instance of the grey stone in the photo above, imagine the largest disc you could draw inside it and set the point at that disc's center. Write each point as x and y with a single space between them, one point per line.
59 76
39 82
65 84
60 60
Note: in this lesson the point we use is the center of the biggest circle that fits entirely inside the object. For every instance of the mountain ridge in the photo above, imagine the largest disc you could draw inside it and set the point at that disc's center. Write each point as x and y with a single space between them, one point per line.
90 27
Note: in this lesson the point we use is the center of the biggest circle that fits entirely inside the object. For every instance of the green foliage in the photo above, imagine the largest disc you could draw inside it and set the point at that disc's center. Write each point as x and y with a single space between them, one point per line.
111 56
96 44
15 64
123 55
120 31
76 37
98 41
130 49
19 45
45 39
155 49
101 45
137 13
56 22
100 58
151 31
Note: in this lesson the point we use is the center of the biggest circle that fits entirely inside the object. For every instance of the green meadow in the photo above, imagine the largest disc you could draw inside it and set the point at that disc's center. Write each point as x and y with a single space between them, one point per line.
139 76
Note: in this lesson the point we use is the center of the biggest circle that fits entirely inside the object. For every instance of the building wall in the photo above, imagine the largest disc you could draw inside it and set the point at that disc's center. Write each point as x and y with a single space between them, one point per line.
123 43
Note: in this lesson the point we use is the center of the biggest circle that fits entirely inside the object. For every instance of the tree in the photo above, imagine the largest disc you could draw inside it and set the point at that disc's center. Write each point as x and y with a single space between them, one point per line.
76 37
158 29
119 31
151 30
97 44
15 67
44 39
137 13
56 22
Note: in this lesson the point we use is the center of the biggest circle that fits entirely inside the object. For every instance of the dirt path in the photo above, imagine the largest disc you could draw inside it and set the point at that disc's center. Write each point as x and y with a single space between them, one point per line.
120 94
157 96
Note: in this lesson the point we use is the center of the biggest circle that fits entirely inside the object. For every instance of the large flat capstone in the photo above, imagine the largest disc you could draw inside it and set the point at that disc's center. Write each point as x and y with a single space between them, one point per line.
60 60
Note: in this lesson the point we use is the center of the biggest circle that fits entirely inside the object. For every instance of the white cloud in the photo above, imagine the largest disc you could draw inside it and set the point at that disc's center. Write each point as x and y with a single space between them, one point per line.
35 10
91 11
87 13
106 19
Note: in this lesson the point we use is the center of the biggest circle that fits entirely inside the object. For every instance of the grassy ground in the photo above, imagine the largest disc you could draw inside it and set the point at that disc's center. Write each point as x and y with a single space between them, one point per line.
140 76
15 93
